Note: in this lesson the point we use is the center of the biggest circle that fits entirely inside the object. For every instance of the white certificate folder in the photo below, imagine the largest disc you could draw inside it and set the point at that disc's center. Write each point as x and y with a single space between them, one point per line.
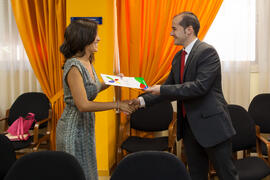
130 82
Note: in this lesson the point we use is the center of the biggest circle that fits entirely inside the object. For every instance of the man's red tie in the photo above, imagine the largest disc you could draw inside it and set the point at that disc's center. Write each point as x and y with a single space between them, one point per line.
183 55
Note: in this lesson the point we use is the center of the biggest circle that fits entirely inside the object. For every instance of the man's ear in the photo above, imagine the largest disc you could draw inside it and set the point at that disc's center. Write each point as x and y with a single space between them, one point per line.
189 30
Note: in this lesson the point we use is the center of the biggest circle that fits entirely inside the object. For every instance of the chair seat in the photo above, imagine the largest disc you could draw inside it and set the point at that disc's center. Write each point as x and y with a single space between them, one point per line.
135 144
24 144
252 168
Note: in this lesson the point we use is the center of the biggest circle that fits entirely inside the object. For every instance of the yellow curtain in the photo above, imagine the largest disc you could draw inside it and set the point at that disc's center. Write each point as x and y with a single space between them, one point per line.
145 46
41 25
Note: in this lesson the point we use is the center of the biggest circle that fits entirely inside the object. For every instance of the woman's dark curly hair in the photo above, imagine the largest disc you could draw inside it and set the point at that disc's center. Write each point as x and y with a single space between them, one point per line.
78 34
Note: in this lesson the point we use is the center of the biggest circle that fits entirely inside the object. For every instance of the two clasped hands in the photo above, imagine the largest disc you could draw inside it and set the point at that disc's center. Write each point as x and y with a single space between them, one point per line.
129 106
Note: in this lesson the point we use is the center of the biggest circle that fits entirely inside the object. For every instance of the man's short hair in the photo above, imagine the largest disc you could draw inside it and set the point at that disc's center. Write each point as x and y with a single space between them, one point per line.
189 19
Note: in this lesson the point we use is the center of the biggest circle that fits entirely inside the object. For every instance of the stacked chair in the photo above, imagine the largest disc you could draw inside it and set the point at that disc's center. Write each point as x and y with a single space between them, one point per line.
247 136
259 110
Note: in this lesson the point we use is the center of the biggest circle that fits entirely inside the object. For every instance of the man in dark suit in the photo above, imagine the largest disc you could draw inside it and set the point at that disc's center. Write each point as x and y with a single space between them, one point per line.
203 119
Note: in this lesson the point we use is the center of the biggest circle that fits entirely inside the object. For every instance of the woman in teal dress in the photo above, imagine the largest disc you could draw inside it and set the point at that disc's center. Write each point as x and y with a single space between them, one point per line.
75 132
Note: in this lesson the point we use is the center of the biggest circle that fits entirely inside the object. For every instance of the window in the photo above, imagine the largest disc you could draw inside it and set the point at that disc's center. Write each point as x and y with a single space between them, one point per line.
233 31
16 74
12 52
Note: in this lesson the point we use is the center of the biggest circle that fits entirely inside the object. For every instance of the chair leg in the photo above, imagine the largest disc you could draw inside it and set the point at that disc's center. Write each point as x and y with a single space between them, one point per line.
212 172
174 149
183 156
119 155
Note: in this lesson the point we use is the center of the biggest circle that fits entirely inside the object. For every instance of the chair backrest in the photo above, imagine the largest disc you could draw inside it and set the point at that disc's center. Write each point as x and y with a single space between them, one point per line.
7 155
259 109
244 125
146 165
46 165
34 102
153 118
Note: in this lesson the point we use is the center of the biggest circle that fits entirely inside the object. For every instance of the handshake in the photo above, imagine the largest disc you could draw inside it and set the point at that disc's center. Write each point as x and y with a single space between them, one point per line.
128 106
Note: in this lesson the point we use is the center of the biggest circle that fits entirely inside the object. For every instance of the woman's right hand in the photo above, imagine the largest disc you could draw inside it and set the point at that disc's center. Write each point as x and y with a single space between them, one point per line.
126 107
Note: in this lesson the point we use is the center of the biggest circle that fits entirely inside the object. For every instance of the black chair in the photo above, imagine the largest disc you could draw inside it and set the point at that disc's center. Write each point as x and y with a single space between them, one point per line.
259 110
147 165
46 165
249 167
7 155
156 118
39 104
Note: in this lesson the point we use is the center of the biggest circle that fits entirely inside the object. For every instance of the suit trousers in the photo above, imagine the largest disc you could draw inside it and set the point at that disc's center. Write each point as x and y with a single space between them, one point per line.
198 157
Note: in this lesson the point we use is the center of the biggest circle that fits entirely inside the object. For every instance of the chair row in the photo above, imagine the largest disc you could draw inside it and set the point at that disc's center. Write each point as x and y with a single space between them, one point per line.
41 165
158 118
248 135
142 165
162 165
249 127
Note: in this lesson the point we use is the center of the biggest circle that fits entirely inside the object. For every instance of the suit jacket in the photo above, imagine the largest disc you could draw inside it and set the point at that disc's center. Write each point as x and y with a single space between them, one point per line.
201 93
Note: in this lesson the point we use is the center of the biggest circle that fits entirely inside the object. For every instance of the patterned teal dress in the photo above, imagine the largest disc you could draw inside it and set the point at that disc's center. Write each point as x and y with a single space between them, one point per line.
75 132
